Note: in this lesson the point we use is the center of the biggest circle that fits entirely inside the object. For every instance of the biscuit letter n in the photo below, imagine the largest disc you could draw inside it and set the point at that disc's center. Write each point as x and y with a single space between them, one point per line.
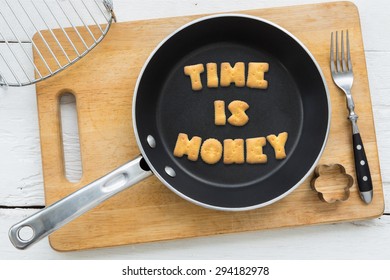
256 75
194 72
233 151
187 147
231 74
278 142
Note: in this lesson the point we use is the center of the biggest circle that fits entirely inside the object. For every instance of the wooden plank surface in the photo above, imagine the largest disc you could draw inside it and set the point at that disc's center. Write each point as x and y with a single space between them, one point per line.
342 241
102 83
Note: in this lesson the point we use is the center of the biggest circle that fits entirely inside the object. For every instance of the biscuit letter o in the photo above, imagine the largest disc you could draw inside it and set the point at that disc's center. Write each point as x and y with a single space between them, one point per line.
211 151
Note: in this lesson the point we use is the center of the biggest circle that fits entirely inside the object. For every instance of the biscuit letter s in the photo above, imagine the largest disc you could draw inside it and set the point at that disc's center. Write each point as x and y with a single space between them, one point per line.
238 117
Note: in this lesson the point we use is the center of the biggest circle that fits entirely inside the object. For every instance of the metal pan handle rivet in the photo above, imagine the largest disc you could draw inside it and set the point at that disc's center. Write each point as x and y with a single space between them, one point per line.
151 141
170 171
26 233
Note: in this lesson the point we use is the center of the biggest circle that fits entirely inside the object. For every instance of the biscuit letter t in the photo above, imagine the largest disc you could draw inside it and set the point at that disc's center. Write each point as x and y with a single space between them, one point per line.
194 72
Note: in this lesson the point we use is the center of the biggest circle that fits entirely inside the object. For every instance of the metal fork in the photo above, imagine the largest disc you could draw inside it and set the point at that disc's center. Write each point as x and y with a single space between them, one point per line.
342 75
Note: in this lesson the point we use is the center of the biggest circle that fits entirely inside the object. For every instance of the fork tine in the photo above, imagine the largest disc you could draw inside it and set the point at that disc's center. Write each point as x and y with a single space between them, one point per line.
349 54
342 52
337 53
332 66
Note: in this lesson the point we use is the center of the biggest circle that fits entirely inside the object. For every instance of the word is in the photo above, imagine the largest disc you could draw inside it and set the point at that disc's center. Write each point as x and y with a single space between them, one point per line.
237 108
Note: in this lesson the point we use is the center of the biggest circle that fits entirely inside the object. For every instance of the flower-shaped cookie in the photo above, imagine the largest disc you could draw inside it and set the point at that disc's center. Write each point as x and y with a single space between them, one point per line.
332 183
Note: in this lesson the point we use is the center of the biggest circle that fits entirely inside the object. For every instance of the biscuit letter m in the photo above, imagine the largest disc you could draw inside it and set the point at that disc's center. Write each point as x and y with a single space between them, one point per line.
184 146
234 74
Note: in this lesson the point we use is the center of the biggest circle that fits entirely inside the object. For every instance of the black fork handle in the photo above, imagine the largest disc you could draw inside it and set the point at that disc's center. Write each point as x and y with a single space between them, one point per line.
362 169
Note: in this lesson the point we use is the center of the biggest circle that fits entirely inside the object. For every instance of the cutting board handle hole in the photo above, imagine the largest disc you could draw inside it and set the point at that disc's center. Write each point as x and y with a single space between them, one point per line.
70 136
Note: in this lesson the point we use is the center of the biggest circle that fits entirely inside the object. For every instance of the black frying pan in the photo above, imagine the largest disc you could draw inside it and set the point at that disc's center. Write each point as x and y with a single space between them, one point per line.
296 101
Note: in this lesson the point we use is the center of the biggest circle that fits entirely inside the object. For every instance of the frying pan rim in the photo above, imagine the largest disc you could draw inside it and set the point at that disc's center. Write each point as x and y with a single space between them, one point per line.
172 188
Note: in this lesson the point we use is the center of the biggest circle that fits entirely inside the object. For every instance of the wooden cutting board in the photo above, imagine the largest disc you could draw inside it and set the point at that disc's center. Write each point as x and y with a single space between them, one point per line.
103 84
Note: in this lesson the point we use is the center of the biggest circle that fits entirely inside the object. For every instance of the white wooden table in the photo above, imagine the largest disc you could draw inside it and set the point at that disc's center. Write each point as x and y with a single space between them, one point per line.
21 182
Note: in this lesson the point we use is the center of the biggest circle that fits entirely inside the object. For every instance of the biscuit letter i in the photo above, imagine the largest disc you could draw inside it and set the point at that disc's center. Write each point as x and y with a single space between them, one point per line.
219 112
212 75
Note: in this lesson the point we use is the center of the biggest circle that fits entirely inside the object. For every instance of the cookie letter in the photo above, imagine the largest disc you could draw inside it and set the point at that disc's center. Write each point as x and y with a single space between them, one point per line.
219 112
187 147
211 151
238 117
256 75
212 76
234 75
233 151
254 150
278 142
194 72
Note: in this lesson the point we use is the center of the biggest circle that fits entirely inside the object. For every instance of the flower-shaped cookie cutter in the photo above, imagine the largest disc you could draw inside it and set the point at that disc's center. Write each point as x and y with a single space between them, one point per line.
331 182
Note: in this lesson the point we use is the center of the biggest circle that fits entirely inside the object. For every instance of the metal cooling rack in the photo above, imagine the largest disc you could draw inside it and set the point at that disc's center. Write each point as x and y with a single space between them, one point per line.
39 38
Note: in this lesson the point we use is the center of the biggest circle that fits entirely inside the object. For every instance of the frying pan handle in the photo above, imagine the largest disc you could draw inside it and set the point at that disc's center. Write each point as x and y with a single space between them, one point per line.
58 214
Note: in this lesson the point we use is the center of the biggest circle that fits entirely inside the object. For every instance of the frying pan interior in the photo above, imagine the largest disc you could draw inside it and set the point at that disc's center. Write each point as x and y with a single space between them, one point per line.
296 101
